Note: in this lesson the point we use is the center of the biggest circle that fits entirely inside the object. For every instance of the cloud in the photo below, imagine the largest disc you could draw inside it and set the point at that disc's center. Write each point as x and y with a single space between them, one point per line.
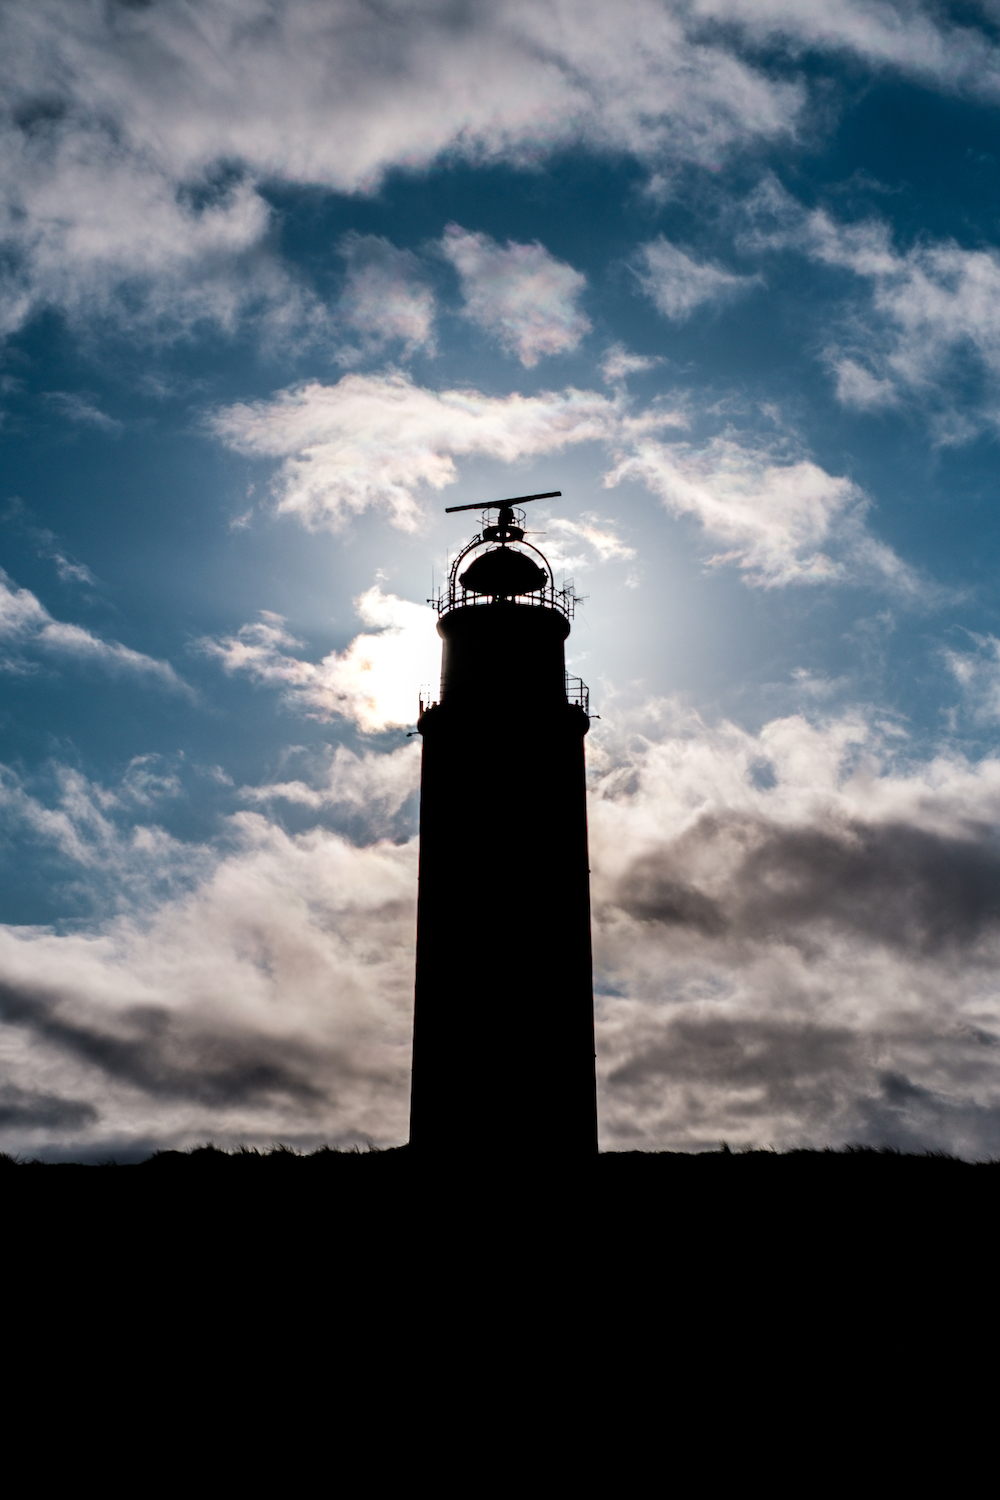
385 297
27 629
520 294
597 534
103 856
918 40
775 519
618 363
30 1109
374 682
678 284
272 1001
373 440
48 545
76 407
934 310
369 791
136 139
802 957
978 674
104 234
859 388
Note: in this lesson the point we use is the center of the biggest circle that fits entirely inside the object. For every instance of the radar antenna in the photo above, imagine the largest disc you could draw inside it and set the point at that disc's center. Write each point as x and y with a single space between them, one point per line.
450 510
505 529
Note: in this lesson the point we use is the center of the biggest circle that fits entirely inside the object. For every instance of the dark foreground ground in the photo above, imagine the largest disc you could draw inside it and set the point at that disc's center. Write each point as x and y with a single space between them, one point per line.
670 1197
699 1266
857 1170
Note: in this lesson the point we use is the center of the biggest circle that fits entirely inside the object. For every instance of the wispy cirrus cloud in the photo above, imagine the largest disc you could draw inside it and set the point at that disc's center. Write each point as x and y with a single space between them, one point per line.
79 408
782 519
27 630
678 284
773 518
932 311
918 40
520 294
618 364
596 533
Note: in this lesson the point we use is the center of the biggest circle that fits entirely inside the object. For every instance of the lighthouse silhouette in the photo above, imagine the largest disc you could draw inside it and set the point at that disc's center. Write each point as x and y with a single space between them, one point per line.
503 1033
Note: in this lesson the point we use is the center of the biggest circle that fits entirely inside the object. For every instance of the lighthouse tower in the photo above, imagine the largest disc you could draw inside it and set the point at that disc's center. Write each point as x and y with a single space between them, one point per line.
503 1036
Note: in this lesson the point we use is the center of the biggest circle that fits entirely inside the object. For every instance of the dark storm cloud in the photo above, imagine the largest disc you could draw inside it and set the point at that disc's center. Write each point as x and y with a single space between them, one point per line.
914 1118
166 1055
739 1075
916 890
816 981
766 1063
27 1108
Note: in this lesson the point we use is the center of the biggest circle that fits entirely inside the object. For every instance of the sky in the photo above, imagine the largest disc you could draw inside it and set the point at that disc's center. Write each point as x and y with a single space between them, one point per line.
279 281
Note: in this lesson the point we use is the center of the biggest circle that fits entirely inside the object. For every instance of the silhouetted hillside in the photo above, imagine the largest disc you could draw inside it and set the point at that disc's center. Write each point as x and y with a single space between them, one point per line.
856 1179
855 1164
640 1235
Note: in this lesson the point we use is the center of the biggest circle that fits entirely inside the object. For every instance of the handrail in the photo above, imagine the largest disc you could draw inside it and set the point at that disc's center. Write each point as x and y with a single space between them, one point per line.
577 693
454 596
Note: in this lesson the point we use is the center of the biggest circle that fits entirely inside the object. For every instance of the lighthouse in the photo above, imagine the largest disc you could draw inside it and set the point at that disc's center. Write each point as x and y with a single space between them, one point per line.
503 1035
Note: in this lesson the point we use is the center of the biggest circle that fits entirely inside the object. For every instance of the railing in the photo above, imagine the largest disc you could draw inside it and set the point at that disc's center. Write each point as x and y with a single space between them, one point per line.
578 692
453 596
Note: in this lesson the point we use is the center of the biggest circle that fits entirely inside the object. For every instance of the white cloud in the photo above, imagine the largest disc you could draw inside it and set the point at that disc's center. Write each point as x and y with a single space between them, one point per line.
930 306
374 682
935 300
102 232
272 1001
596 533
678 284
26 628
978 674
807 956
72 572
773 517
859 388
82 821
375 786
914 38
385 298
374 440
619 363
136 137
520 294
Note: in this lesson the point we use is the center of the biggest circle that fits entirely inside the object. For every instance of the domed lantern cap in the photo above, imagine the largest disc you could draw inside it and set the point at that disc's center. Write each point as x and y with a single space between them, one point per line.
504 573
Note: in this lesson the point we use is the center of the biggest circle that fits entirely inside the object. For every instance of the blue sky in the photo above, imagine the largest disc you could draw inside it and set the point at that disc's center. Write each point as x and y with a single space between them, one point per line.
279 282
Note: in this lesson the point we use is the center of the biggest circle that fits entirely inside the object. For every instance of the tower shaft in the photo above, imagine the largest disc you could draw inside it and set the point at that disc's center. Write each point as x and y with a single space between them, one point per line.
503 1048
